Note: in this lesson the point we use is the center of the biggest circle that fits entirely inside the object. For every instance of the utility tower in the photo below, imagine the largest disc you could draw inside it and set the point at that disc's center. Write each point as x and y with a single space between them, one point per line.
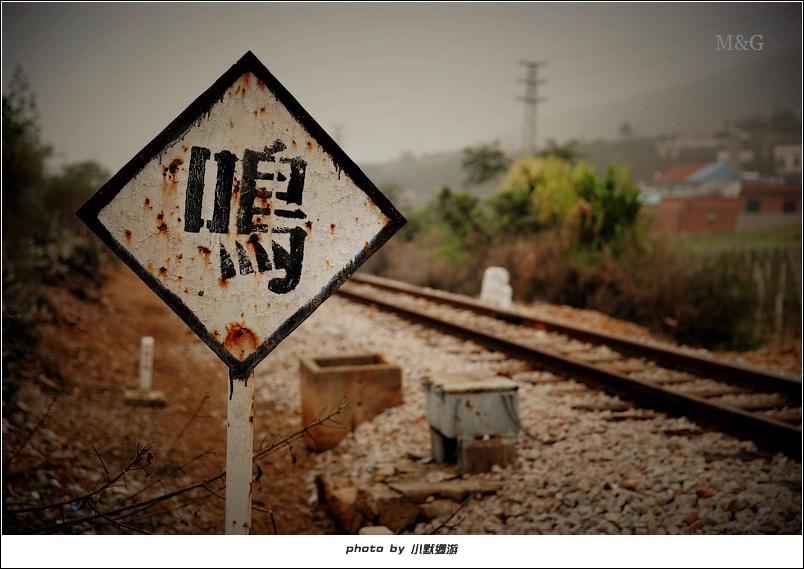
531 99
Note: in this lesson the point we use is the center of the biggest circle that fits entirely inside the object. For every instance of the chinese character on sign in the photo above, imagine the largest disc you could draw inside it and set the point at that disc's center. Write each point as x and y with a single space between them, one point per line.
243 215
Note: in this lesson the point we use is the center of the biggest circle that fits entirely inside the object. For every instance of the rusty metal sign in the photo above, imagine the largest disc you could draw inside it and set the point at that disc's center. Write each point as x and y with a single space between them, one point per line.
243 215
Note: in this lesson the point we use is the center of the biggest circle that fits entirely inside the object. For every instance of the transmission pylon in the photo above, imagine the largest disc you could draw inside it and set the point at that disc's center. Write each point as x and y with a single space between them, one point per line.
531 100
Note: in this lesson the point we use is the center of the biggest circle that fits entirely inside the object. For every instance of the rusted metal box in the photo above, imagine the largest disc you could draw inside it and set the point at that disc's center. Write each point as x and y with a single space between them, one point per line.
368 382
464 404
463 408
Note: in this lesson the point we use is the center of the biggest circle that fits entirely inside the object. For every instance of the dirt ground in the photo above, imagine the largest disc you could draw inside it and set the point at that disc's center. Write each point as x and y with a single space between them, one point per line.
71 428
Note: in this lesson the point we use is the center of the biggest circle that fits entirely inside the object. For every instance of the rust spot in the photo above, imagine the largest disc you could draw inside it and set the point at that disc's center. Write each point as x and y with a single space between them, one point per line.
173 167
235 187
205 251
309 145
162 226
163 271
308 224
260 84
147 203
180 279
294 144
128 235
186 291
150 267
332 228
216 333
329 265
240 340
184 147
231 122
357 220
324 161
223 282
253 238
365 245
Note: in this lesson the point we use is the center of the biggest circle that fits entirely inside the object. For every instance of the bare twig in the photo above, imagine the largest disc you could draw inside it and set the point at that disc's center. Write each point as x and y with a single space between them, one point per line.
113 522
27 439
445 522
85 498
184 428
141 506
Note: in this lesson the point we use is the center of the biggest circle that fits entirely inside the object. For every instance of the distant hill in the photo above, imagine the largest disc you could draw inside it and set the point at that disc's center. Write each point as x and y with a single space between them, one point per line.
692 108
420 179
700 105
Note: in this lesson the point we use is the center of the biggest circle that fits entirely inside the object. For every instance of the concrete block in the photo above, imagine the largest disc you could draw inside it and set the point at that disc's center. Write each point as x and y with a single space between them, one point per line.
369 383
341 504
144 397
440 509
386 507
476 455
375 530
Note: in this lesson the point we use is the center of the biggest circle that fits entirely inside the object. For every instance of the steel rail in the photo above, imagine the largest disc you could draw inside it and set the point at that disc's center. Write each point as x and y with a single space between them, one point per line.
667 356
764 431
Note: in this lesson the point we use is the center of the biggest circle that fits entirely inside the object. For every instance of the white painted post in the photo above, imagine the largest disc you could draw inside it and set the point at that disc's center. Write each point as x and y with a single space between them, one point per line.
146 362
239 448
495 289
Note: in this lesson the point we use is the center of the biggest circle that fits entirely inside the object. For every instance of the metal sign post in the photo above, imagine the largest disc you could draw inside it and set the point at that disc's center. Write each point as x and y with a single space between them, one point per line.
239 449
243 215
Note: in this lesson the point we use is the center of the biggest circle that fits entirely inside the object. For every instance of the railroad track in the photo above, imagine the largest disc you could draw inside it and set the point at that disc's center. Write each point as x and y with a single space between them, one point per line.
744 401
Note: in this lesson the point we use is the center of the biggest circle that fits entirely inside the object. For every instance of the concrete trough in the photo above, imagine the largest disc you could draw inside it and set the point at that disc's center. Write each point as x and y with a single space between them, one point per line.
368 382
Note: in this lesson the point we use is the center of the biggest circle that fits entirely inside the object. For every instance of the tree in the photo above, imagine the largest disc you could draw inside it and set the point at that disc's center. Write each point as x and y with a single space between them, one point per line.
461 214
567 151
483 163
24 158
626 131
64 193
607 211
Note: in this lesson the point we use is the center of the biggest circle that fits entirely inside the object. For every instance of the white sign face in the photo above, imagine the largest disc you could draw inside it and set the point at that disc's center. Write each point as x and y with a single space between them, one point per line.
243 215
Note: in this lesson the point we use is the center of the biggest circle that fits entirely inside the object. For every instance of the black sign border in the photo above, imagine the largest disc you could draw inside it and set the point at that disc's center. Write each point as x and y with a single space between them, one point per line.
88 213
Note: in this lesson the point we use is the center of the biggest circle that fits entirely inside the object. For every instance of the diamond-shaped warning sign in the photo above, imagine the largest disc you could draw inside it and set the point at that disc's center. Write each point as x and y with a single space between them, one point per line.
243 215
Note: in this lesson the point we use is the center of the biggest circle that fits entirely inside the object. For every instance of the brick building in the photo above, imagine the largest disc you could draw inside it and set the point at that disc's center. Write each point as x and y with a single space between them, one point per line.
699 199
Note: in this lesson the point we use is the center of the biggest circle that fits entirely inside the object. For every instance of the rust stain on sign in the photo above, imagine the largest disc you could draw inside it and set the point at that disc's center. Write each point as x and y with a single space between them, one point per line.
240 340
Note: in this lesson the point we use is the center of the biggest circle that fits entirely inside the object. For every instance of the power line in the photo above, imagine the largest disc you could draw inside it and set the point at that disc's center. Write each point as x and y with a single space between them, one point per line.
531 100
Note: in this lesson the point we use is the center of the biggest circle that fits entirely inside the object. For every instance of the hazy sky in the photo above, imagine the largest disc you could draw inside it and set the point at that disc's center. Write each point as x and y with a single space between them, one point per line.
381 78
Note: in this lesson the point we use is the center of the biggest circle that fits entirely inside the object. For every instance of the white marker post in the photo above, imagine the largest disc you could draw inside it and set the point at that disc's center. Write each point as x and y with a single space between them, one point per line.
243 215
239 448
146 362
144 394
